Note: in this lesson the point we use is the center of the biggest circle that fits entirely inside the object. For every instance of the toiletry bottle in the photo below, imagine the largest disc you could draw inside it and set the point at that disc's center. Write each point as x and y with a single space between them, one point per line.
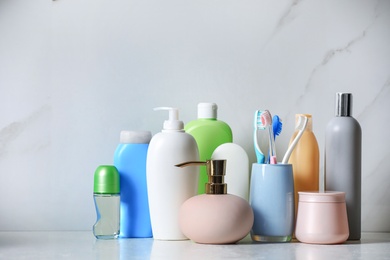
237 170
305 160
130 160
215 217
209 133
168 186
343 158
107 202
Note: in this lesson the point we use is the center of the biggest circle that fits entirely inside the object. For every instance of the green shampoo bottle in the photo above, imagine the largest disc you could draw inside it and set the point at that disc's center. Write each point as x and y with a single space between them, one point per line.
209 133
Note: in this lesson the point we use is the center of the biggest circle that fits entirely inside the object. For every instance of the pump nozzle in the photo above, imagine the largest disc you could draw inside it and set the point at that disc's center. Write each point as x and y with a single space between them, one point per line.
173 123
215 172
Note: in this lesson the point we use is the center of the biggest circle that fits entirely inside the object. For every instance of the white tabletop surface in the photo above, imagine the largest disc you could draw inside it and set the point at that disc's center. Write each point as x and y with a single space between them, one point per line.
83 245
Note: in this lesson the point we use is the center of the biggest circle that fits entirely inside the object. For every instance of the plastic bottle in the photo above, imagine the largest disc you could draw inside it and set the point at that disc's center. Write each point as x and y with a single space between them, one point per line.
130 160
209 133
106 194
215 217
305 159
343 157
237 168
169 186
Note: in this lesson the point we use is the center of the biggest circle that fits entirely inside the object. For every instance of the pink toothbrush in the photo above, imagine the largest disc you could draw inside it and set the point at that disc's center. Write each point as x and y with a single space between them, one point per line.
266 120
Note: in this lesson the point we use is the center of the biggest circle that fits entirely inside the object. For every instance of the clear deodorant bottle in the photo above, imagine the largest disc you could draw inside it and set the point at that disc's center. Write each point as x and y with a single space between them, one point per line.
107 201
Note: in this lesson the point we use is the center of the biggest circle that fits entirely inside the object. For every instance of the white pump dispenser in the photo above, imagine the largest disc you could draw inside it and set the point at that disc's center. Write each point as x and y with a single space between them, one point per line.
168 186
173 123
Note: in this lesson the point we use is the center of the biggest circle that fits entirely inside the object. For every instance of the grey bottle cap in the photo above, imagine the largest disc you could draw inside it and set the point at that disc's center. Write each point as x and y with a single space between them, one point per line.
343 104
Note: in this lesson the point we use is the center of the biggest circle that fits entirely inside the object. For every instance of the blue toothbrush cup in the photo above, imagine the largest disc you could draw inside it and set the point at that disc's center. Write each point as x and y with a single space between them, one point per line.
272 201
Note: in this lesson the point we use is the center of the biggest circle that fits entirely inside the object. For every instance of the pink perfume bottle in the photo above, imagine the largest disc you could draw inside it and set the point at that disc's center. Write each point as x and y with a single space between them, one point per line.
215 217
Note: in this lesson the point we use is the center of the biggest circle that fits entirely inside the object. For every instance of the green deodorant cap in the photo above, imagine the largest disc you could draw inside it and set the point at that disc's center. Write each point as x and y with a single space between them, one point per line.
106 180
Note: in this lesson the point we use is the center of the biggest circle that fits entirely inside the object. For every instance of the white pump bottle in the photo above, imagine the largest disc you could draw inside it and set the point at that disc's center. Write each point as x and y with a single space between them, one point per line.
169 186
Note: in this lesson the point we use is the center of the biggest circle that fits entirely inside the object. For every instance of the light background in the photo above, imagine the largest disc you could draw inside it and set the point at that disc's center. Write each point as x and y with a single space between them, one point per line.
73 73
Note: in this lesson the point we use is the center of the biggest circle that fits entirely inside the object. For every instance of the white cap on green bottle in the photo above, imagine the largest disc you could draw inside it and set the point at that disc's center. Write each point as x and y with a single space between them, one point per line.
207 110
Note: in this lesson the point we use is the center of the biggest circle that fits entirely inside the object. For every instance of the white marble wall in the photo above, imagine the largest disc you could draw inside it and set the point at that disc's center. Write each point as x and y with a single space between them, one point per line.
74 73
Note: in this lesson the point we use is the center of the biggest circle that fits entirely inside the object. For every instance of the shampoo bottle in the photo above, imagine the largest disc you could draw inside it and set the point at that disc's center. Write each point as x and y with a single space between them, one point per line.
168 186
305 160
209 133
130 160
343 157
215 217
106 195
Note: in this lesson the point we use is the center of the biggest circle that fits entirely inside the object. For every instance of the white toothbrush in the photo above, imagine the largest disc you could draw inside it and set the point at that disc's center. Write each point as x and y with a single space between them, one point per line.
302 123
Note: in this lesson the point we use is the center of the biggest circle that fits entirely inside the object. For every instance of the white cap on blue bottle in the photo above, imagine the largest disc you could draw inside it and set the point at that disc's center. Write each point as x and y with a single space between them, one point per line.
135 137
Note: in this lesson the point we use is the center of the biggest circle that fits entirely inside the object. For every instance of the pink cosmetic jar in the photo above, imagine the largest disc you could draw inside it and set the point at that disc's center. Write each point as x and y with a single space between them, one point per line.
322 218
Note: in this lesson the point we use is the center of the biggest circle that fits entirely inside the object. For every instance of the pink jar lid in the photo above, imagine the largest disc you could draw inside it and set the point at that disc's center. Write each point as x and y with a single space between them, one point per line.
327 196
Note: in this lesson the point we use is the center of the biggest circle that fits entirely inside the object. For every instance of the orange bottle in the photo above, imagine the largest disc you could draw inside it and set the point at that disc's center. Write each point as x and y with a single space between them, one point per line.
305 159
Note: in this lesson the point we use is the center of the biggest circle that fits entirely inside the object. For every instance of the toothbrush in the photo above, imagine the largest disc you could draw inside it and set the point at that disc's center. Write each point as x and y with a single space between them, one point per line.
277 125
302 123
258 126
266 120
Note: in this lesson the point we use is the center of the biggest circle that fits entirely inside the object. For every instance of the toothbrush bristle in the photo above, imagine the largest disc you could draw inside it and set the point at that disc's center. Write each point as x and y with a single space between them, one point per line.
266 118
277 125
258 122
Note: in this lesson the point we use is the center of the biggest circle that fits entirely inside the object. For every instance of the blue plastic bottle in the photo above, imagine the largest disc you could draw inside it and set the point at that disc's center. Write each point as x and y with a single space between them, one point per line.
130 160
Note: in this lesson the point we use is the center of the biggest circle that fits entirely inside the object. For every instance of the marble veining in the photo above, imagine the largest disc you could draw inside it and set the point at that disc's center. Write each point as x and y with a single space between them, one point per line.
331 54
14 130
384 91
289 14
